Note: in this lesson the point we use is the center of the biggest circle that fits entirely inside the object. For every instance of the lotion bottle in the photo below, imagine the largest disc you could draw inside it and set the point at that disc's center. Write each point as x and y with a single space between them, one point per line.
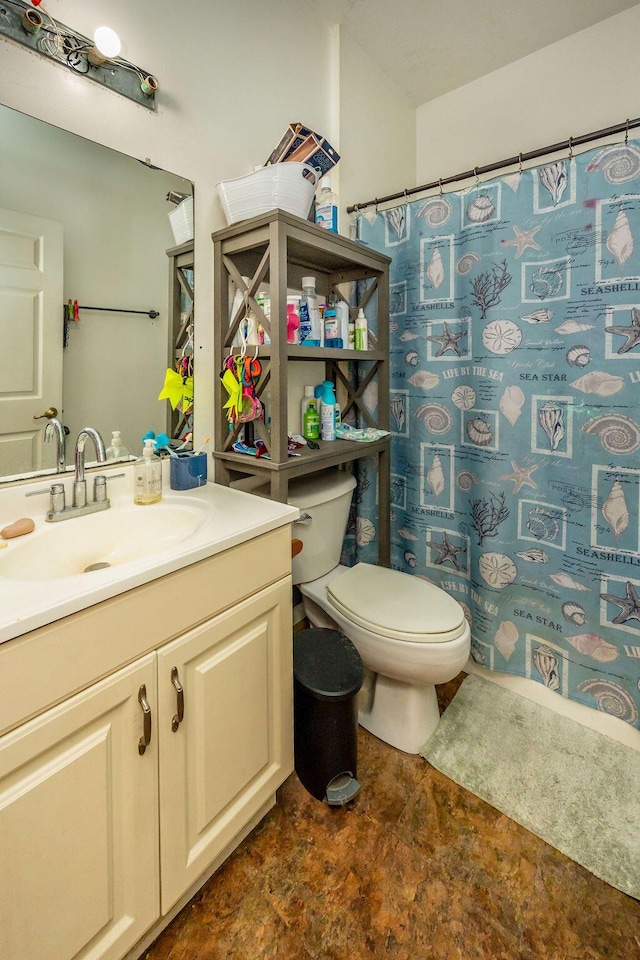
362 338
328 421
148 476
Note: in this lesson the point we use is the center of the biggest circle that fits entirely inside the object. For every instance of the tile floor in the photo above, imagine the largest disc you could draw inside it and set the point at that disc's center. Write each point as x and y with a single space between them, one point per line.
415 868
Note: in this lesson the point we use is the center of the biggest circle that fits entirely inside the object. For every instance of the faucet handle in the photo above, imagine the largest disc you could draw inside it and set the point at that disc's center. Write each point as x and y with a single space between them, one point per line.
56 493
100 485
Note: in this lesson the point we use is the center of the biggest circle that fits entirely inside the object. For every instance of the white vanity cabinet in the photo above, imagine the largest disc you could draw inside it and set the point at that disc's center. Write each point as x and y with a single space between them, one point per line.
78 825
103 837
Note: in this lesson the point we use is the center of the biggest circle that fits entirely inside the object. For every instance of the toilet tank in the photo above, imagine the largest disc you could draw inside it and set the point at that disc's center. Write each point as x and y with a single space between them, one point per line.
325 499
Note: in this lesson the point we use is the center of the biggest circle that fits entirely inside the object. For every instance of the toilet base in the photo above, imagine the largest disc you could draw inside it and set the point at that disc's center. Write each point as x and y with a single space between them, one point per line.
404 715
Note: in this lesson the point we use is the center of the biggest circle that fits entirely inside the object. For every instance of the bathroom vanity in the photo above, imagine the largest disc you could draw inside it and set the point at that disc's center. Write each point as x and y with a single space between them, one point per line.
145 720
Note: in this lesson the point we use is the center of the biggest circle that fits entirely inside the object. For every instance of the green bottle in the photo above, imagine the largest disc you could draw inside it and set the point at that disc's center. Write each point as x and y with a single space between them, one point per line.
311 422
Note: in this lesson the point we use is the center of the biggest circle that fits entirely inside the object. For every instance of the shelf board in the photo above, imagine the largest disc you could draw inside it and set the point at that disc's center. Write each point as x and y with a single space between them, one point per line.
300 352
330 453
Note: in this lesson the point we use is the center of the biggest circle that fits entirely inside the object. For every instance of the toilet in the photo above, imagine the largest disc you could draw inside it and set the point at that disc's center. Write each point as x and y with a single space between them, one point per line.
410 634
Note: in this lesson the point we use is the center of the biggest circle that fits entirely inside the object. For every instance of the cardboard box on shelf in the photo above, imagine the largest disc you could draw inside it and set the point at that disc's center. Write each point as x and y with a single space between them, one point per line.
302 145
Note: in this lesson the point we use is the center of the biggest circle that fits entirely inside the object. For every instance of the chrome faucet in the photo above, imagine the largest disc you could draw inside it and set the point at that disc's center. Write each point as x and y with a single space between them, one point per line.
58 509
80 484
55 430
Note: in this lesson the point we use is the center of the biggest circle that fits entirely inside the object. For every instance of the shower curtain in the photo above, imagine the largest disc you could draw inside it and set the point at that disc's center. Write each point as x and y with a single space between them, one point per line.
515 411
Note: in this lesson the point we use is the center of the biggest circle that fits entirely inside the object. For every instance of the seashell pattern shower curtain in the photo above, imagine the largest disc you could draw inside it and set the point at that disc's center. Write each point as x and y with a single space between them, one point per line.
515 411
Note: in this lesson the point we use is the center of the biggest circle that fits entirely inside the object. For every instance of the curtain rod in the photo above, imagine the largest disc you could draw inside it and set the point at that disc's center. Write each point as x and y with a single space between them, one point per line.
509 162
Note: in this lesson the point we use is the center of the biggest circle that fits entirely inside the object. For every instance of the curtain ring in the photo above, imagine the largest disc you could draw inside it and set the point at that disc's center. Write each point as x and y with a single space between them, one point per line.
475 173
406 198
570 148
376 204
440 184
626 132
520 164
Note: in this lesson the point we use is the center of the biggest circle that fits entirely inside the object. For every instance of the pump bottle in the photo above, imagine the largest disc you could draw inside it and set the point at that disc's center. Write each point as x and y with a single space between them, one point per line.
116 450
147 476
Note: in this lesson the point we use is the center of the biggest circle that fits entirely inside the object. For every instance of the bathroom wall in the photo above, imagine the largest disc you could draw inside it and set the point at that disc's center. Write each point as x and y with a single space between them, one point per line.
582 83
232 77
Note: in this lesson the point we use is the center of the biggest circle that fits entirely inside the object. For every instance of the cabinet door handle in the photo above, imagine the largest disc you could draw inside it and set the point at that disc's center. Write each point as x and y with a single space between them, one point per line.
145 739
179 716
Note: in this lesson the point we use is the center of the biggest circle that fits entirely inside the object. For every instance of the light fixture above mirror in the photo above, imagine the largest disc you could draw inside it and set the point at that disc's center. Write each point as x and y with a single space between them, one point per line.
29 23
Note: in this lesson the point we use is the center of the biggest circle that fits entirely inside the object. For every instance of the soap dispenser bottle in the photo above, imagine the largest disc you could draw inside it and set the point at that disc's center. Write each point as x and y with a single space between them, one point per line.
148 476
116 450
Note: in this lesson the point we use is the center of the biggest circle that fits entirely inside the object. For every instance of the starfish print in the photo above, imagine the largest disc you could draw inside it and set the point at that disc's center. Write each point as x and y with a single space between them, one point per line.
448 341
522 240
632 333
629 605
521 477
447 551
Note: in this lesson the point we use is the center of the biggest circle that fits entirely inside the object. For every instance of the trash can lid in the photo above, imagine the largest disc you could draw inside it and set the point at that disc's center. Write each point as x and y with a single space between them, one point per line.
326 663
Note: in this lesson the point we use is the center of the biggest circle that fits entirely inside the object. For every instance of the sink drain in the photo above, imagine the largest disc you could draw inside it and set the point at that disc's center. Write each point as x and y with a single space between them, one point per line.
96 566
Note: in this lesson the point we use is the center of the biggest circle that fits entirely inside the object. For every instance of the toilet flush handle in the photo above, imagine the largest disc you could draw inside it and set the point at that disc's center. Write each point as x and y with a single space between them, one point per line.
305 519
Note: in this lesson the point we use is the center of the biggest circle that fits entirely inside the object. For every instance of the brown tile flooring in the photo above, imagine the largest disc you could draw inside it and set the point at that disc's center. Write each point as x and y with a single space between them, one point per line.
415 868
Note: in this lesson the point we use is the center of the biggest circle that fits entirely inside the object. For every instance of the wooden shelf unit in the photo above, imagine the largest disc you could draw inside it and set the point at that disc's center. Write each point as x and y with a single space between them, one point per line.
181 297
278 249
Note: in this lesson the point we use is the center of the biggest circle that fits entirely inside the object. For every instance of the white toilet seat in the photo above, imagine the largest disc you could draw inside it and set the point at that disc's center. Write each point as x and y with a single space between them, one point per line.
396 605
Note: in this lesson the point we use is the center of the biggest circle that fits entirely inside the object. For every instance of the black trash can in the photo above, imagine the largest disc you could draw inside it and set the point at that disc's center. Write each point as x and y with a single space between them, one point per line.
328 674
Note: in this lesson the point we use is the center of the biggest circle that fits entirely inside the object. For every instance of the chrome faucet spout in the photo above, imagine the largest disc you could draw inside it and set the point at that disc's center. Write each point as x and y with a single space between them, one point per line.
55 430
98 442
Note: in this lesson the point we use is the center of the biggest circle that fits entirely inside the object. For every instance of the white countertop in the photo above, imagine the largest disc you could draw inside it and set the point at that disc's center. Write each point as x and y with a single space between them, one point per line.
226 518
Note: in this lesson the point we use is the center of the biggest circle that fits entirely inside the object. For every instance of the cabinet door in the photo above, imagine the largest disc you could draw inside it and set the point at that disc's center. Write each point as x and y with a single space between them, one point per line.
78 825
234 746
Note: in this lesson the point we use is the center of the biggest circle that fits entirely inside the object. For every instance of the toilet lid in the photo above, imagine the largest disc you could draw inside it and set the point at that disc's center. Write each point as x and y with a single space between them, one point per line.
396 605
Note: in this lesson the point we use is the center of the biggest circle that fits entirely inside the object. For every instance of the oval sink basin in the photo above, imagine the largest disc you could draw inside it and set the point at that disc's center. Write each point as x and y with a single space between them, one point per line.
86 545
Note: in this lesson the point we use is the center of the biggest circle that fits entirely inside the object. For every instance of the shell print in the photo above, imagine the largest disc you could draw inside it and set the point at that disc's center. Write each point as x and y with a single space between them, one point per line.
424 379
602 384
437 418
574 326
396 405
397 220
463 397
564 580
535 555
407 534
615 511
481 209
538 316
435 476
436 211
618 163
408 335
620 240
411 358
365 531
501 336
546 282
618 434
435 270
410 558
466 480
466 263
544 525
578 356
611 698
511 403
594 646
506 638
553 178
497 569
546 663
479 432
551 419
574 613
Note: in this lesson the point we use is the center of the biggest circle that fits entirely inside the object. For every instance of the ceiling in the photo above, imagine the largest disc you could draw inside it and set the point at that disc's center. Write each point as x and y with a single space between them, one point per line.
429 47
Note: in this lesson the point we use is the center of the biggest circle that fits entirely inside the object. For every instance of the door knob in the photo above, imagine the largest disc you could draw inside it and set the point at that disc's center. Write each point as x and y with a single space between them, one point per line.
48 414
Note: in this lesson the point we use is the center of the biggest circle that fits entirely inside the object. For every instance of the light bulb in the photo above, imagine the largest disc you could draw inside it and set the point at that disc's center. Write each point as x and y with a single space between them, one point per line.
107 42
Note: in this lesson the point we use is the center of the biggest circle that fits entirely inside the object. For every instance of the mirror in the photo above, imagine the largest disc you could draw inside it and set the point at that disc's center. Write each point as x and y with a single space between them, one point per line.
80 222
